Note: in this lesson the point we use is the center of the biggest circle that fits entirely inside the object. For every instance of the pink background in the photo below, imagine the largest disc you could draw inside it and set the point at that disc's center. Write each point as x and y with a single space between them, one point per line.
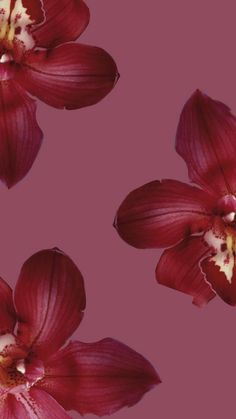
92 158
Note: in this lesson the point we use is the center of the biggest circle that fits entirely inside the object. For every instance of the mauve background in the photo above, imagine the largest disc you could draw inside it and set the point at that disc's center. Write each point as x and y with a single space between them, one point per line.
92 158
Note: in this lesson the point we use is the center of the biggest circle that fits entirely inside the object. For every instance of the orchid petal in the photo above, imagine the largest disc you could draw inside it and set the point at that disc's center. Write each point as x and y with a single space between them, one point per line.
49 300
179 268
159 214
206 140
33 404
65 22
98 378
20 135
70 76
7 310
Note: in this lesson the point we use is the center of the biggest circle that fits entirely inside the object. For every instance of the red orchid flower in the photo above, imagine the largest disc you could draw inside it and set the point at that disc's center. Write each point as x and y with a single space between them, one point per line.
40 380
37 56
199 225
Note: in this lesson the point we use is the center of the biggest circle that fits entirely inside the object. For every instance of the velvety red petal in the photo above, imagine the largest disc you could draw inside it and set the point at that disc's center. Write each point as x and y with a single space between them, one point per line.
65 21
70 76
223 287
20 135
206 139
49 300
98 378
7 311
159 214
179 268
32 404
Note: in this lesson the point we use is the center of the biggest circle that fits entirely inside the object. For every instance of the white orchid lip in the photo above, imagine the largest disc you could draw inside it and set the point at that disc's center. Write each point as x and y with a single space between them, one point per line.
15 23
224 248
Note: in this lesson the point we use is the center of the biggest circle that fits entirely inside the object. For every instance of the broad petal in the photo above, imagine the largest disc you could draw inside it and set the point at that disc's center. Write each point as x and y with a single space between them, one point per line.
64 22
98 378
49 300
225 288
20 135
179 268
7 310
159 214
206 139
70 76
33 404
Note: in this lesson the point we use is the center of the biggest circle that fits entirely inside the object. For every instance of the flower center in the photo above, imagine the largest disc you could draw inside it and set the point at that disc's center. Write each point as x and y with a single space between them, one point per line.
17 366
11 366
16 19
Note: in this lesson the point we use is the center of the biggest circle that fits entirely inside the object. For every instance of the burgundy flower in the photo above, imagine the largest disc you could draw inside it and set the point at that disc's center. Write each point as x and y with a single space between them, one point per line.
40 380
36 56
199 225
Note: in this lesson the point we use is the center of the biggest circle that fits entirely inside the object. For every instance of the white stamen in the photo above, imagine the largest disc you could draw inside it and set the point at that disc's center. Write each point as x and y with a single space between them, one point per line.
6 58
20 366
229 218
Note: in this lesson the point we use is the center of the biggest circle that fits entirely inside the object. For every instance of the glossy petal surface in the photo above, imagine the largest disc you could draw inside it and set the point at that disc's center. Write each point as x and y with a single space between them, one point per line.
20 135
69 76
49 300
179 268
206 139
7 310
65 21
98 378
159 214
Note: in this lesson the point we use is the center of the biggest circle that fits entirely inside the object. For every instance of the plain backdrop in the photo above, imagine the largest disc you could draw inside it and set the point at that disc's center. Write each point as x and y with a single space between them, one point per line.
91 158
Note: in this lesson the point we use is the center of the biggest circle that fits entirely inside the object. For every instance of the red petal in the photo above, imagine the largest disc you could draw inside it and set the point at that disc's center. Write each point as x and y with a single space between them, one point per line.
49 300
64 22
98 378
179 268
20 135
224 288
31 404
7 311
70 76
159 214
206 139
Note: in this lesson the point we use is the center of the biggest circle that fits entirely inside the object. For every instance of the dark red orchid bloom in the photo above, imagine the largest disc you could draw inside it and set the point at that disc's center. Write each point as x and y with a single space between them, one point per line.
37 378
37 57
199 225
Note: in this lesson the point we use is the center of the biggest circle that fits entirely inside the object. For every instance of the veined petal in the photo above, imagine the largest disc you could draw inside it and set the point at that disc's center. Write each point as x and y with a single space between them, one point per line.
179 268
159 214
49 300
206 139
70 76
65 21
20 135
98 378
7 310
33 404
